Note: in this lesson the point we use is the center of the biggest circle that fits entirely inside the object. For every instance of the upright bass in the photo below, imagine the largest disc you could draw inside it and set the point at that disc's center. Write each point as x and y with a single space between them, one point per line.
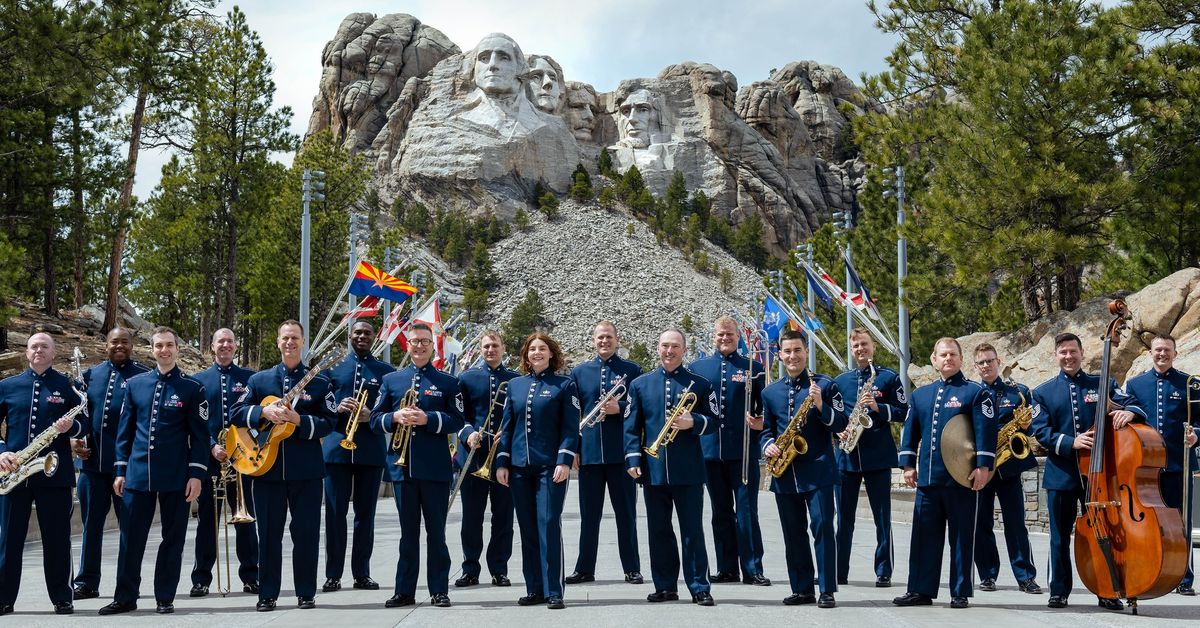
1128 543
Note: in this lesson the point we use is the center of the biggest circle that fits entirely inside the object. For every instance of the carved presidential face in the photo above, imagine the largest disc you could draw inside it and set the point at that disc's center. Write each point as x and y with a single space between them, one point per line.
545 85
579 112
497 66
635 119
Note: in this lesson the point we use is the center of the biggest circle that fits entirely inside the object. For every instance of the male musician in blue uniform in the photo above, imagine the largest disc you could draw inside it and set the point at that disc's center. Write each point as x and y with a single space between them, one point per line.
872 459
484 401
602 459
674 479
1064 426
31 403
355 472
224 382
737 537
105 388
293 483
1162 393
162 460
941 501
1005 486
804 491
422 482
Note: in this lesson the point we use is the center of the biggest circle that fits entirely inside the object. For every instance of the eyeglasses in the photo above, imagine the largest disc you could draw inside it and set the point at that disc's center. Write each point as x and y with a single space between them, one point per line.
420 342
987 362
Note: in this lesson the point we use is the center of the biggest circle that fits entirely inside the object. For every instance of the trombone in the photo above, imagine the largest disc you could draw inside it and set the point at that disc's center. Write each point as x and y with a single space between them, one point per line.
360 400
485 471
222 518
760 335
596 414
402 437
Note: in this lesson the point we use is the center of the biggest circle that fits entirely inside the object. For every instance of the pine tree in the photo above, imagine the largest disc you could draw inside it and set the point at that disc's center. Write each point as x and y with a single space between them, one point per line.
581 189
416 220
548 205
521 220
527 317
701 207
605 164
639 354
748 242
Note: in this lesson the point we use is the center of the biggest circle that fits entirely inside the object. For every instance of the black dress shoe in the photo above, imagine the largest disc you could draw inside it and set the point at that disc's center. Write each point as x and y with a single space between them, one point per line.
440 600
467 581
757 580
881 581
84 593
398 600
913 599
250 587
331 585
579 577
826 601
5 609
499 580
798 599
554 602
635 577
118 607
1185 590
987 584
1057 601
306 603
266 605
63 608
198 590
1110 604
958 602
663 596
1030 586
843 581
366 583
722 577
703 599
531 599
164 608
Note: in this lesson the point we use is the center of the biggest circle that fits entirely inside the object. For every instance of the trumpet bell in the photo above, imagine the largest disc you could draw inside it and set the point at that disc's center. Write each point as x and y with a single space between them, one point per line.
348 444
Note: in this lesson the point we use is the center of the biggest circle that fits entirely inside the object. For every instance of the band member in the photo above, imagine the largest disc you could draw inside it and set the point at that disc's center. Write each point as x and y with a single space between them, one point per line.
1006 486
737 538
804 492
1162 393
422 477
484 402
940 500
292 486
224 382
602 459
535 462
30 403
1068 403
675 477
872 459
162 458
356 472
105 388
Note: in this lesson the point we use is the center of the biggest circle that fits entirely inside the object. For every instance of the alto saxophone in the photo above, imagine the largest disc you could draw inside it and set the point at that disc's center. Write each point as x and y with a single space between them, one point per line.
1010 441
667 434
28 461
791 443
860 418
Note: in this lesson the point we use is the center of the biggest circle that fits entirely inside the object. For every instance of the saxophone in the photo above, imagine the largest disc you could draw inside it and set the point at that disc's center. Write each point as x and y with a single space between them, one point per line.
790 443
29 463
860 418
1010 441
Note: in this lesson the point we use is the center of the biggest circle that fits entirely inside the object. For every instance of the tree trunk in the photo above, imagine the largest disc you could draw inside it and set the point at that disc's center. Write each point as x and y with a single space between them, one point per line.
124 213
1029 298
1047 293
78 216
50 290
1069 287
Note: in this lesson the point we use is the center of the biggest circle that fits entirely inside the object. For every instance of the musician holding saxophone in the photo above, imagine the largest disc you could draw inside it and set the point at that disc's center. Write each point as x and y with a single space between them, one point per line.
802 414
39 409
417 407
669 409
1010 399
484 391
354 461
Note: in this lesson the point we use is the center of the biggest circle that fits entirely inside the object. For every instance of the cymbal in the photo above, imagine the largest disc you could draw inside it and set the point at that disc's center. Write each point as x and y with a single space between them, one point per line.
958 448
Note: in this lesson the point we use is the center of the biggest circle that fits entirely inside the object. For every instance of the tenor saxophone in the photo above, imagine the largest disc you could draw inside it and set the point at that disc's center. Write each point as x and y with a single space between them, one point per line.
29 463
791 443
860 418
1010 441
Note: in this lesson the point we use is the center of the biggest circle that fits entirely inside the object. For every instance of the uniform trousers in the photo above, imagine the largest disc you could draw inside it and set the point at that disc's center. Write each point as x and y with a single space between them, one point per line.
879 496
54 519
737 537
96 498
1063 507
622 494
1011 495
274 500
1172 491
346 483
476 493
135 532
935 509
688 502
800 513
538 501
417 499
207 527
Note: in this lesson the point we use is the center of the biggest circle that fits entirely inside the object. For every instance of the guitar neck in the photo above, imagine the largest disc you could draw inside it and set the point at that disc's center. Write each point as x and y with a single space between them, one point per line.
290 396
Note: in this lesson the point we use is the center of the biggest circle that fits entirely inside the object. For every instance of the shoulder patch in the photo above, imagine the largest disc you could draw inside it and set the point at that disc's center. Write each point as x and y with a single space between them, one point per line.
900 395
712 399
458 402
1037 410
330 402
244 395
575 402
988 407
838 403
204 411
628 409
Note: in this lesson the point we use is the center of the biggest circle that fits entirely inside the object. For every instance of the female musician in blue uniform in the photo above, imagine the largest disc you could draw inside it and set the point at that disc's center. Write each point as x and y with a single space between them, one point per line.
539 441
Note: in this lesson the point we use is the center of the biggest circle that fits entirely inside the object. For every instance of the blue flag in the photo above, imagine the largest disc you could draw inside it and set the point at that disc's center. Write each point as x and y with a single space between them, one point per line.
775 319
811 322
819 291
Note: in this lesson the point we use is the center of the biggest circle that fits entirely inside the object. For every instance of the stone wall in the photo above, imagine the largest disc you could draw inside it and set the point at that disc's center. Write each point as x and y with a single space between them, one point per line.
1036 517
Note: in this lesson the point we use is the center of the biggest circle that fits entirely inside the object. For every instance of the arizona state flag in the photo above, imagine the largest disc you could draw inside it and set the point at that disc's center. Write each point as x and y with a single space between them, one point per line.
370 281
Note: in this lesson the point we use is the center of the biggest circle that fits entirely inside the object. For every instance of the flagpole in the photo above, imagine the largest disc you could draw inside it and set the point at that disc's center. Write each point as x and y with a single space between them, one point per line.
807 251
849 316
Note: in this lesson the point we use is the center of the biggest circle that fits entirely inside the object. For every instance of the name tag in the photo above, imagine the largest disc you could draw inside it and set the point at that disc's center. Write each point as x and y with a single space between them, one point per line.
433 393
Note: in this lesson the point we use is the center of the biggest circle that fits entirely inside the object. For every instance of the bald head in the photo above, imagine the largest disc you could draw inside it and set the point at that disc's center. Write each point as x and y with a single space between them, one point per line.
224 345
40 352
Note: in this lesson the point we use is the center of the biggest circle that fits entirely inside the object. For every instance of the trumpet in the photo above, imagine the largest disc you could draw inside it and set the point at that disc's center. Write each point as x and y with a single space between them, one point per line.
790 443
403 434
484 472
667 434
596 414
360 400
222 517
860 418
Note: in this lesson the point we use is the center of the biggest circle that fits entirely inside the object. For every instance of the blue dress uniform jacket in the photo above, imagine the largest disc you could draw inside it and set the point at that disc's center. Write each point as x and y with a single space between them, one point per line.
438 394
30 403
651 397
1163 397
604 443
164 416
347 376
727 374
781 400
541 419
876 446
299 454
223 386
932 407
1068 408
1007 398
479 386
105 388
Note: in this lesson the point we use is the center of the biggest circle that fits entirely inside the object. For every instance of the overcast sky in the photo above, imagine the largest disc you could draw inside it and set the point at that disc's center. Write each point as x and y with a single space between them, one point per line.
600 43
